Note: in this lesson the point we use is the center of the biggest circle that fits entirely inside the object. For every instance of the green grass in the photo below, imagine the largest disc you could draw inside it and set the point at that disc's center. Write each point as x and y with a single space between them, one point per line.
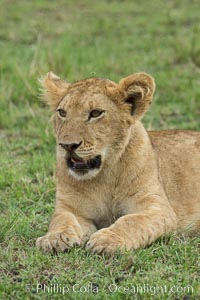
79 39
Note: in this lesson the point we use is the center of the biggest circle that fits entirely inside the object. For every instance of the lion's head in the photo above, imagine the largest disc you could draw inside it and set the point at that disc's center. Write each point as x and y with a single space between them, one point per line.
92 118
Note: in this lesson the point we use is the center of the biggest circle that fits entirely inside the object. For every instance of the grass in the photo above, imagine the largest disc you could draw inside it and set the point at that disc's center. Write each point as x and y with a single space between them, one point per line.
77 40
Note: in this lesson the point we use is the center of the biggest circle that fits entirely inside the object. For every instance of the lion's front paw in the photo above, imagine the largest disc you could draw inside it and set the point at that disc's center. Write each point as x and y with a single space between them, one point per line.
58 241
106 241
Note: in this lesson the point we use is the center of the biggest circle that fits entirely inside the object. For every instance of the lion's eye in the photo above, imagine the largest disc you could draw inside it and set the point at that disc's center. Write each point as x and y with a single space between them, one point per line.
96 113
62 112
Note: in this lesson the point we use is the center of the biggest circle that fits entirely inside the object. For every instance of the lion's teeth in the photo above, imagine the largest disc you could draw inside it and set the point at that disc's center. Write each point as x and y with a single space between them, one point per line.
77 161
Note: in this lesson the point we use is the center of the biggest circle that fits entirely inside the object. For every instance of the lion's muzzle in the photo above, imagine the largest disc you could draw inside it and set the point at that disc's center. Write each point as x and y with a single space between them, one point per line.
80 165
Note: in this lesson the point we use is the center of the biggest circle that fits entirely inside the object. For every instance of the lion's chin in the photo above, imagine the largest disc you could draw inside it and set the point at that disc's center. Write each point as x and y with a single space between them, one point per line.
84 174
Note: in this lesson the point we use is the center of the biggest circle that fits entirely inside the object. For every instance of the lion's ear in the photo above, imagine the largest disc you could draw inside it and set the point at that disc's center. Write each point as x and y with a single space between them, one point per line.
139 89
53 89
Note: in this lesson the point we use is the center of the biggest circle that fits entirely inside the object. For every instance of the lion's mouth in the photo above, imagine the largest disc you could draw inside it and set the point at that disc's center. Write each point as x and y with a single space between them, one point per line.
76 163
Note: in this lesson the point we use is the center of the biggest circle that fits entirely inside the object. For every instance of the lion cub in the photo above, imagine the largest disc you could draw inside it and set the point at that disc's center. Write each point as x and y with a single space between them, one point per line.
118 186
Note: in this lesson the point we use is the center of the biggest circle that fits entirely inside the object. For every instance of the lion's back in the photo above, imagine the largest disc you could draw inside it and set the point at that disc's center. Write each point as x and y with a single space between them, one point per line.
179 168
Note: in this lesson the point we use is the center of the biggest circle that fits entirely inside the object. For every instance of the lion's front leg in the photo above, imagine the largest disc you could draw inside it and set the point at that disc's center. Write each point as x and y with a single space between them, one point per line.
65 231
133 231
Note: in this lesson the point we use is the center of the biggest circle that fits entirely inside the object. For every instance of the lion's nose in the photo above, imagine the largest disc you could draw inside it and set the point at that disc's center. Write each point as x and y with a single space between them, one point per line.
70 147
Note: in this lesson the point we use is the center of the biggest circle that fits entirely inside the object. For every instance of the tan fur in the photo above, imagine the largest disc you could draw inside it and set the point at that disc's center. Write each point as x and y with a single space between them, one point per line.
148 184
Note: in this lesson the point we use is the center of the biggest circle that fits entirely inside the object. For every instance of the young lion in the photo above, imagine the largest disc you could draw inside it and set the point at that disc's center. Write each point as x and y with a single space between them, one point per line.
118 186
